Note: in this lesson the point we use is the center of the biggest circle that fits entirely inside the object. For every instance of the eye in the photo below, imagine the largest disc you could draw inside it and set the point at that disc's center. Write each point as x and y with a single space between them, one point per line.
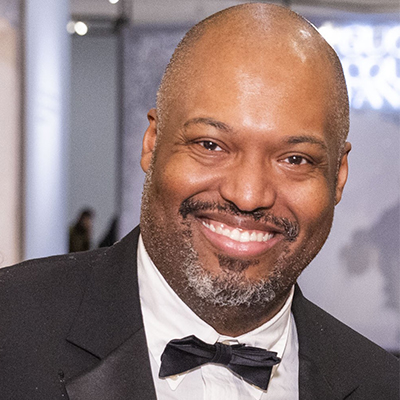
209 145
296 160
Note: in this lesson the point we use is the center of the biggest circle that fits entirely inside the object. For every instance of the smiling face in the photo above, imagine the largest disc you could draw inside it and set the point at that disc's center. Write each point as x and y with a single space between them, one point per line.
242 184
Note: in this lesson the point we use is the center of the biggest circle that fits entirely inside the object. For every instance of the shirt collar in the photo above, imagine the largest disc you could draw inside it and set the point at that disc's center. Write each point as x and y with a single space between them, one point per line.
159 302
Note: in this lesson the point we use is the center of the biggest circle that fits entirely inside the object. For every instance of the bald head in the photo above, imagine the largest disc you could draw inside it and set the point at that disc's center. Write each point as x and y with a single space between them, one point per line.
251 36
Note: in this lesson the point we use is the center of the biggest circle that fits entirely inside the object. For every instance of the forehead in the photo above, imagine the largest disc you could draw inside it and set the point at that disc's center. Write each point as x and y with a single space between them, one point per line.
273 83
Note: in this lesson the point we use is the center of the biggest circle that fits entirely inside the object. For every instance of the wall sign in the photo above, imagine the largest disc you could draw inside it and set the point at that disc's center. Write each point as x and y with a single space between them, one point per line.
370 56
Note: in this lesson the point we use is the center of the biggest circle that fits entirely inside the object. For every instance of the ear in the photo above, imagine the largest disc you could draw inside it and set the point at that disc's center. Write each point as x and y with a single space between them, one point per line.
149 140
342 173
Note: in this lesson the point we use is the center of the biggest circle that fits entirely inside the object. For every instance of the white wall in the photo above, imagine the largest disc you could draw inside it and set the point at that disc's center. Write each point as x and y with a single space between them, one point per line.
46 126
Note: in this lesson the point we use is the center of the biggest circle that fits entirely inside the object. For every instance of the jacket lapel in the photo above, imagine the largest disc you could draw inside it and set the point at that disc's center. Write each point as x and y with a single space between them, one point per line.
322 371
312 383
123 374
109 325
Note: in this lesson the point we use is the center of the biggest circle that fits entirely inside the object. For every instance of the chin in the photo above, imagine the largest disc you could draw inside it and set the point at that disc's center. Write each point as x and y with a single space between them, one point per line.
232 286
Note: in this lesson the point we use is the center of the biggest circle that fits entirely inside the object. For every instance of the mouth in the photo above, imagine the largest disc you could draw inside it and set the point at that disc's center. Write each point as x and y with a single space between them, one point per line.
238 241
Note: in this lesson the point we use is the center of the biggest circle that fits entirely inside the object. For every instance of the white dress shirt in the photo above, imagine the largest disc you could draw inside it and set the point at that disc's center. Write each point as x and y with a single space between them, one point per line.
167 317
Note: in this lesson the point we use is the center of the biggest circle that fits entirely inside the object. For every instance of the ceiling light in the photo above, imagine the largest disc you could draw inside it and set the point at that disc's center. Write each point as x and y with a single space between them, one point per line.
80 28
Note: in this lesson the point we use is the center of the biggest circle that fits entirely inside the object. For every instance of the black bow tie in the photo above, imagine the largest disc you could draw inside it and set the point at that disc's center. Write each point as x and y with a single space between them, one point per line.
253 364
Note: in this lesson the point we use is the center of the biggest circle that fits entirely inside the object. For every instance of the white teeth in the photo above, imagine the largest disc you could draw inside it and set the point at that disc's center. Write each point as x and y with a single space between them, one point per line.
227 233
235 235
239 235
245 236
267 236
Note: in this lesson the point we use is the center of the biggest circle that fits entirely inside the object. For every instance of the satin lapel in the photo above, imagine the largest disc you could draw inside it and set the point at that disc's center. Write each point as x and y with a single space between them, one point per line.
124 374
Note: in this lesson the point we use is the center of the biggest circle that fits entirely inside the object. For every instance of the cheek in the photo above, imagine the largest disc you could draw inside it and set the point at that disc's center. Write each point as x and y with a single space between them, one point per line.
312 204
180 178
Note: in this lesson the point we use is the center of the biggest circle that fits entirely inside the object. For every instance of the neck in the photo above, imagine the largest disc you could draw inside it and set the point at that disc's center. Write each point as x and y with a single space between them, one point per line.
234 321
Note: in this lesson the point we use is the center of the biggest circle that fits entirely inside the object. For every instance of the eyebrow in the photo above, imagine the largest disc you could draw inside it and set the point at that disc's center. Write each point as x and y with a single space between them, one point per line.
209 121
306 139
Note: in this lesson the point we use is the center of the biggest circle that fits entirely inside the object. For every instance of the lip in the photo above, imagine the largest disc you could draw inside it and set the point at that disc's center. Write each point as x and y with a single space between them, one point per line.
239 248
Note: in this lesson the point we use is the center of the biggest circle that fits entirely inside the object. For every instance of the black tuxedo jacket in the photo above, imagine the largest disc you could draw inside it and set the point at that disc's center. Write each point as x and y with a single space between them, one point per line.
71 328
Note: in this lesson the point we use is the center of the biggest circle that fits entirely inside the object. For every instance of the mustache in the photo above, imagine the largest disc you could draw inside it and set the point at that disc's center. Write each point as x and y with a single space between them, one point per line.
290 228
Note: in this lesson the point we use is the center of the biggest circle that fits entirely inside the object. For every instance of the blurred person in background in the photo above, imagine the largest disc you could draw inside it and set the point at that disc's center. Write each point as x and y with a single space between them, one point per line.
80 233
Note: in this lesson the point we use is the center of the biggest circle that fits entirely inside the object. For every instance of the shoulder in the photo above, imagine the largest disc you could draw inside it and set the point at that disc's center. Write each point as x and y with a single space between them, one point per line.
57 283
39 292
39 300
341 353
325 326
42 301
74 267
42 272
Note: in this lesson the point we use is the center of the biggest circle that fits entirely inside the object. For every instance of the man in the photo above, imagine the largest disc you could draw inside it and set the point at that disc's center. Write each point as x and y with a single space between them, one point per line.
246 158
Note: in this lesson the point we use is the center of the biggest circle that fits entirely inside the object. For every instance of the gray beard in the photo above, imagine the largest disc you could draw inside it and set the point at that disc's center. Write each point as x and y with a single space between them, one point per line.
230 288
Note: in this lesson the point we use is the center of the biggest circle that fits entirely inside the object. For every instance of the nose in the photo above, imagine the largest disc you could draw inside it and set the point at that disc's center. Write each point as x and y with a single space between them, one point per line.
249 184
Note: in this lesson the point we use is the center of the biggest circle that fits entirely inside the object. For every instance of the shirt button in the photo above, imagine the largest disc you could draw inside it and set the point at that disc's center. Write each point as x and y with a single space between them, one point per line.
230 342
